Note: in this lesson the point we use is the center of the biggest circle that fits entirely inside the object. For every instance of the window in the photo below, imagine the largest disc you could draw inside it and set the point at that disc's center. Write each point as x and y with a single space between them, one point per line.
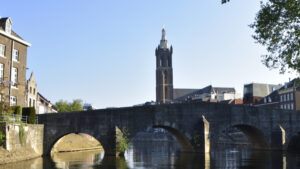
33 103
270 100
167 62
288 106
292 96
15 55
284 97
160 62
1 72
281 98
265 100
281 106
2 50
284 106
8 27
14 76
13 100
33 90
292 106
287 97
30 89
30 102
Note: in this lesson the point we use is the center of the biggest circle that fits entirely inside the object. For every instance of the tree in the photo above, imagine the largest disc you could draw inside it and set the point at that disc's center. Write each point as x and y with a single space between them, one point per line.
277 27
64 106
76 105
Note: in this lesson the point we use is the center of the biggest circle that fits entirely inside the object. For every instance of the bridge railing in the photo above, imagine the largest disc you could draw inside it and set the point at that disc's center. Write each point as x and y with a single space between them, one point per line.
7 117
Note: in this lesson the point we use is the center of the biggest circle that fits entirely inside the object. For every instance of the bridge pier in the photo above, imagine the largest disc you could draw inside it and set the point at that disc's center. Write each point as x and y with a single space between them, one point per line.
111 141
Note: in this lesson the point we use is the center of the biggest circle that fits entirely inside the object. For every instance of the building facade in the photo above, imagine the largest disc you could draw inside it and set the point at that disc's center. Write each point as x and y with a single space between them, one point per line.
44 105
13 56
255 92
287 97
164 71
208 94
31 90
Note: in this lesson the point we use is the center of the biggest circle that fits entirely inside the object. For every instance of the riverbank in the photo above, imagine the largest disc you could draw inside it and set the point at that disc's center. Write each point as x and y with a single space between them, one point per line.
14 156
69 143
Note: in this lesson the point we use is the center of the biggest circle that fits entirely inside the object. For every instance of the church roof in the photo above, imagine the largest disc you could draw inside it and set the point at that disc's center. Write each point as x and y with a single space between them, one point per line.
183 94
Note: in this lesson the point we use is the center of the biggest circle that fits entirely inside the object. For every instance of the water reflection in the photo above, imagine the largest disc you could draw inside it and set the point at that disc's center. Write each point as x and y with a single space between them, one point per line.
164 155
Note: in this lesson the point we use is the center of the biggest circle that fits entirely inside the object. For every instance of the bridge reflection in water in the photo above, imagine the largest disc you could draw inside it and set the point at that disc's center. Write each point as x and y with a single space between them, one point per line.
164 155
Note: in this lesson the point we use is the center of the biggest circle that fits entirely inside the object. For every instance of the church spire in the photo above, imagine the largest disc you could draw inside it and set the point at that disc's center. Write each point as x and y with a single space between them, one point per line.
163 41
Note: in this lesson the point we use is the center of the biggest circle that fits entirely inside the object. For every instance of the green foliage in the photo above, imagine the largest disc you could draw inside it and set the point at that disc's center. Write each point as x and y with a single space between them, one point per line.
30 113
76 105
277 27
21 134
123 141
16 110
64 106
2 139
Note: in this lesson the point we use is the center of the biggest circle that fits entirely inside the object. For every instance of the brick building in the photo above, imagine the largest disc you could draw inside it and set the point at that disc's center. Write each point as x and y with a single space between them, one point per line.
31 92
255 92
164 71
287 97
13 55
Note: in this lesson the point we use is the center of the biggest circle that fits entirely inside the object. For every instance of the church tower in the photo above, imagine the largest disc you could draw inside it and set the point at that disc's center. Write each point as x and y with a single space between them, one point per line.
164 71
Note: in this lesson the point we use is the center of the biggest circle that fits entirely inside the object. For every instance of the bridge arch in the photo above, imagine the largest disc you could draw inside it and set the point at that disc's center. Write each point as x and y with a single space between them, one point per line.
60 139
294 144
185 144
254 135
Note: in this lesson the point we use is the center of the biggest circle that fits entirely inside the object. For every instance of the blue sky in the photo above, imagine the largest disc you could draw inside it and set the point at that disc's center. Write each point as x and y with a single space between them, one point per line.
103 51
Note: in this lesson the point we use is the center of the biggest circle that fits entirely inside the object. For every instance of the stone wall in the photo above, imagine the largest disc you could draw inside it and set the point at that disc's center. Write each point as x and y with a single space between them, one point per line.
30 139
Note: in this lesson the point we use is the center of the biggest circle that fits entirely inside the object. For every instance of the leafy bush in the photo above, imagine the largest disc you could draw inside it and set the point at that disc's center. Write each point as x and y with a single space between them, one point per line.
17 110
30 113
123 141
2 139
21 134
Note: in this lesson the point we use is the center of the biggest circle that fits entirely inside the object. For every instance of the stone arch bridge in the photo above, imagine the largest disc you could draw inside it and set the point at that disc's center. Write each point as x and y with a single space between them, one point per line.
197 126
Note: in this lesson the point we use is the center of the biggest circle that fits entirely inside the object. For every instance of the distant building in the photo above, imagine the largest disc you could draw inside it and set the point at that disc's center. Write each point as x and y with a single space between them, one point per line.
44 105
165 93
287 97
164 71
13 56
209 94
254 92
88 106
31 92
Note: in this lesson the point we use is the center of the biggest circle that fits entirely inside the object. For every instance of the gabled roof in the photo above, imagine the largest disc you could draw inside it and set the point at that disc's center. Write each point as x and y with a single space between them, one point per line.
12 35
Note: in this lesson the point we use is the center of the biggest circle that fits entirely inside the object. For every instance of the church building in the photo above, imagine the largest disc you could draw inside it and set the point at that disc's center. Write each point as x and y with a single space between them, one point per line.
165 93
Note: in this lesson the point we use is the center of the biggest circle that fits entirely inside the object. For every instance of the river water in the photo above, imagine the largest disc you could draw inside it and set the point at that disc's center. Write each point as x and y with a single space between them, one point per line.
164 155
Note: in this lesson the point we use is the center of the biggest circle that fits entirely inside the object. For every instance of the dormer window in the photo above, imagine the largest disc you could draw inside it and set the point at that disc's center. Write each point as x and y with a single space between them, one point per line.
8 26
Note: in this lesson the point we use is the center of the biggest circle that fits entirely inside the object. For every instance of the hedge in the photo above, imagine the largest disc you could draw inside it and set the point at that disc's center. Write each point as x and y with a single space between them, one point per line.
30 113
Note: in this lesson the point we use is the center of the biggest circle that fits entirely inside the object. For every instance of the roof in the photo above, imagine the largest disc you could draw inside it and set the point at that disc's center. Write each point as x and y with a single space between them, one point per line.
260 89
274 96
12 35
182 92
42 97
208 89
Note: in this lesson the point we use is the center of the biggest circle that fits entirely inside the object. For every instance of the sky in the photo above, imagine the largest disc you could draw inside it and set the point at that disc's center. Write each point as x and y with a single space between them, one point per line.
103 51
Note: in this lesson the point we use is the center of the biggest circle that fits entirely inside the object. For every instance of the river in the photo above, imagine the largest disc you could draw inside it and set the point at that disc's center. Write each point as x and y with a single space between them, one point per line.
164 155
